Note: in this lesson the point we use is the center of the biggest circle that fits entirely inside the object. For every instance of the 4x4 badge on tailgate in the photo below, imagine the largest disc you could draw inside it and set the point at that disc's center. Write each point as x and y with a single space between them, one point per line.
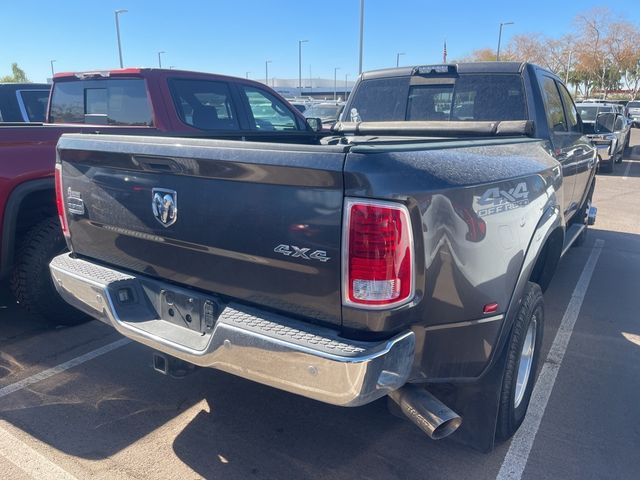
305 253
165 206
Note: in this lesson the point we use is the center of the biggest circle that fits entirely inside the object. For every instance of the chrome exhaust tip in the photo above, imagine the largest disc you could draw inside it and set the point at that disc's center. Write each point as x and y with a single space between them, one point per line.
427 412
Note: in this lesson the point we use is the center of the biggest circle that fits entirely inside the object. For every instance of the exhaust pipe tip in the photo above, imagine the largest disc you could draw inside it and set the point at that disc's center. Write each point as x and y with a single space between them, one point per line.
446 428
427 412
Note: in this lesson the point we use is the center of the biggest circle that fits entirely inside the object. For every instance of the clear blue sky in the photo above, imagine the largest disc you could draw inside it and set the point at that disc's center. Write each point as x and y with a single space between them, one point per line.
236 36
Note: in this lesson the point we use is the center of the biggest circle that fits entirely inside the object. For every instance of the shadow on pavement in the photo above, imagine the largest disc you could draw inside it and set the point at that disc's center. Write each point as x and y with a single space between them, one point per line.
16 323
100 408
256 431
97 409
248 429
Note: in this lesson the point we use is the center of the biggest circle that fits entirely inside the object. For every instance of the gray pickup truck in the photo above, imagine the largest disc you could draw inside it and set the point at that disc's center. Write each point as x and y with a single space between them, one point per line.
403 256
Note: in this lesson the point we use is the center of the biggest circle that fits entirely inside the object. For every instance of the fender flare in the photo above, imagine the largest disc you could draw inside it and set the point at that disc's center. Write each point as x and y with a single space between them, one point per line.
550 220
10 218
478 400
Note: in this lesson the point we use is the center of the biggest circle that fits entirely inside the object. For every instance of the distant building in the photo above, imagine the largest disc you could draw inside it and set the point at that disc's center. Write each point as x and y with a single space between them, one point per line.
321 88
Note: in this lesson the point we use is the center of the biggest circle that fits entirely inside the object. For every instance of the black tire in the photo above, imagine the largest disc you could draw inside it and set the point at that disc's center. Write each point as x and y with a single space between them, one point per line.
581 217
510 415
30 280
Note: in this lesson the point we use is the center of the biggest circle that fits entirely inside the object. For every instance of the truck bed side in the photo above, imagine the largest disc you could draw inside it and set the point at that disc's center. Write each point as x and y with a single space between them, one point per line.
474 210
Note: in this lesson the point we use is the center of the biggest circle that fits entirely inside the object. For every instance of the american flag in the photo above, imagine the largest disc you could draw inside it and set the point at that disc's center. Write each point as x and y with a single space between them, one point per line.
444 53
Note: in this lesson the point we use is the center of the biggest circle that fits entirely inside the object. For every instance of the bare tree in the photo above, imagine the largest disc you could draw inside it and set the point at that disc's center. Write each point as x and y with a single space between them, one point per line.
602 54
481 55
527 48
622 44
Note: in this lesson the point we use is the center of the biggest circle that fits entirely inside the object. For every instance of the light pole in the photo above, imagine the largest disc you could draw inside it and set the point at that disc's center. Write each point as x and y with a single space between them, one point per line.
52 72
566 78
361 35
502 24
346 78
398 58
246 75
117 13
266 72
160 58
335 83
300 42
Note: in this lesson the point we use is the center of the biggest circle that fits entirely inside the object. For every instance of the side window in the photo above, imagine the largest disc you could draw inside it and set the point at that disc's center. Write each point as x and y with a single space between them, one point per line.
204 104
569 109
619 125
35 103
269 113
553 105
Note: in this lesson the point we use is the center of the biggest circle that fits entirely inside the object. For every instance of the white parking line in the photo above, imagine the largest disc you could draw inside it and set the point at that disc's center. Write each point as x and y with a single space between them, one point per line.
18 452
29 460
38 377
516 458
626 171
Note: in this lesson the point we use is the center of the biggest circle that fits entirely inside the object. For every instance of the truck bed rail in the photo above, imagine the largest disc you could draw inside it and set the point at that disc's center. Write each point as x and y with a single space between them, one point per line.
444 129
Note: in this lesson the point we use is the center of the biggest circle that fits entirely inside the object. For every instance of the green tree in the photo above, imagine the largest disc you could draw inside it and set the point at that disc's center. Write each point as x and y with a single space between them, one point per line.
17 75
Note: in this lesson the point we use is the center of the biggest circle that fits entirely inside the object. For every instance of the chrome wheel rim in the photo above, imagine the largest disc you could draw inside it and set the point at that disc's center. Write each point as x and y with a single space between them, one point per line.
525 362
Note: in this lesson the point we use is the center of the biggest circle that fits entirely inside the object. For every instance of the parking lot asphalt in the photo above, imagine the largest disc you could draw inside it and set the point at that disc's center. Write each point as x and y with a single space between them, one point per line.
78 402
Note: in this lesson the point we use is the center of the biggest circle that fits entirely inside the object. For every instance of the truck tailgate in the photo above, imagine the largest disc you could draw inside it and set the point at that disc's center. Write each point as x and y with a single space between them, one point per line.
259 223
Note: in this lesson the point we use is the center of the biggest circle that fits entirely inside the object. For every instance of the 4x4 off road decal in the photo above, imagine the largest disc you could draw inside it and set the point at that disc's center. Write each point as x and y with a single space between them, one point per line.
495 200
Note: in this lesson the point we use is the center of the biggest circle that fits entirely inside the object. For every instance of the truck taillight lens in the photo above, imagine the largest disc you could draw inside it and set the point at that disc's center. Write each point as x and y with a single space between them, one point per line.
378 266
62 214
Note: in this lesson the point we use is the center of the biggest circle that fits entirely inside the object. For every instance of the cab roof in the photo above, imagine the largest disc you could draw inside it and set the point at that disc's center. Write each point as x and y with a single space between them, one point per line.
468 67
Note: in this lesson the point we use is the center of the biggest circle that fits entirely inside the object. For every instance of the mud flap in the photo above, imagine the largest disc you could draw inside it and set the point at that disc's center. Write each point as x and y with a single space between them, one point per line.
477 403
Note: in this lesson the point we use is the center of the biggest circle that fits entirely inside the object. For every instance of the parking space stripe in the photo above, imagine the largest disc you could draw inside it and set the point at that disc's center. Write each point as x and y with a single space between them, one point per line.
38 377
517 456
29 460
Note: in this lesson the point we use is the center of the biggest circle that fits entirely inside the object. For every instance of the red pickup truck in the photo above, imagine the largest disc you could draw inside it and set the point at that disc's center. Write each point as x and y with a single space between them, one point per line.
127 101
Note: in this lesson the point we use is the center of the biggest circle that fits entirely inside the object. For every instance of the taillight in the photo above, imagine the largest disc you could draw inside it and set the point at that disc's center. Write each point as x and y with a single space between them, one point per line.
62 214
378 266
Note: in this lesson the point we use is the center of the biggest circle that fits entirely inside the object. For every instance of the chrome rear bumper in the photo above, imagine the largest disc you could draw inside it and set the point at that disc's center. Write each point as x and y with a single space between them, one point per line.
267 348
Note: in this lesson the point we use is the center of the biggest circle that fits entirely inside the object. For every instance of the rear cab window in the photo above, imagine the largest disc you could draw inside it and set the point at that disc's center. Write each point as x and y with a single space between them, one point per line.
465 97
114 101
204 104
